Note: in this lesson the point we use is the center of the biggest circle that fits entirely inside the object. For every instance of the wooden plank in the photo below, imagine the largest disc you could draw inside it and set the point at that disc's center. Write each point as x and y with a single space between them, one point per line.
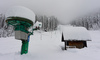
78 44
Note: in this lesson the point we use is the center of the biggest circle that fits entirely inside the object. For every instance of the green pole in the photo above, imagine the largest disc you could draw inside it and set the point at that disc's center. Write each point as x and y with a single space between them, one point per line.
24 48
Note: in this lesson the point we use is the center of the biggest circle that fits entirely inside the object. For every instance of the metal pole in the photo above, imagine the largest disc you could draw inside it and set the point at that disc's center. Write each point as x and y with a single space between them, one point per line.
24 48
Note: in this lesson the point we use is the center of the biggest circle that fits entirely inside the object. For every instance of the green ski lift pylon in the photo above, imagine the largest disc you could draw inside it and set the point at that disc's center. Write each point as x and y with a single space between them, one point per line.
21 26
21 23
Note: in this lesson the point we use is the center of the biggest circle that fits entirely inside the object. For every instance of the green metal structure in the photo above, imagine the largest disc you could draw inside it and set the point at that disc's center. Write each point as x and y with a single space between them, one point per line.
24 48
21 24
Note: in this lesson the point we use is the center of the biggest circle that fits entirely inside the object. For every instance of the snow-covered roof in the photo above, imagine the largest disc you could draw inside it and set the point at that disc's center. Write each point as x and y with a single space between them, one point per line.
75 33
20 11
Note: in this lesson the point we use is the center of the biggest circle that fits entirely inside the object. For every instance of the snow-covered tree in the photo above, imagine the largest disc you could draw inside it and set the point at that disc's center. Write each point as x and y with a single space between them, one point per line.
89 21
48 23
5 30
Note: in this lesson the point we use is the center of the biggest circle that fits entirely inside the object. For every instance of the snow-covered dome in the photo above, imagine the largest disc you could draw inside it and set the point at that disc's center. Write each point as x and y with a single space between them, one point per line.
20 11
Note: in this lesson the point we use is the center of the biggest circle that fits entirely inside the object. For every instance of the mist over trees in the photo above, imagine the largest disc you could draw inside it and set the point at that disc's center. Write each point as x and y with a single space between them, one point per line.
91 22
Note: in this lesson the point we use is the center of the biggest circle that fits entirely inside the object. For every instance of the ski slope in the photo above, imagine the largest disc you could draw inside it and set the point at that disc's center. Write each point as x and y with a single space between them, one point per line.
47 46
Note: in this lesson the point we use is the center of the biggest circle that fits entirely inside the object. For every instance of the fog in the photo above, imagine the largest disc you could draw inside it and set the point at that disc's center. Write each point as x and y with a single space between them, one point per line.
64 10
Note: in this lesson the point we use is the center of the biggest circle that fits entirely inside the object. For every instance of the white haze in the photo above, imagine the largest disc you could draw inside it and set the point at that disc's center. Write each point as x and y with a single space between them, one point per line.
64 10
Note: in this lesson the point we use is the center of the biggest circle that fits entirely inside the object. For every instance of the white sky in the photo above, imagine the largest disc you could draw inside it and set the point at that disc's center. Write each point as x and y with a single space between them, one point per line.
64 10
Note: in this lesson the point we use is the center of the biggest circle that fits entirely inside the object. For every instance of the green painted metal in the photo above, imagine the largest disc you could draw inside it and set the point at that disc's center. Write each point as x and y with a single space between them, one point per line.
19 19
25 44
24 48
21 24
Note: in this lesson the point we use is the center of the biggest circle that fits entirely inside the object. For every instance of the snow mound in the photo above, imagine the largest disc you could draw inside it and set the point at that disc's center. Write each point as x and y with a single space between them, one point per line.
38 24
75 33
20 11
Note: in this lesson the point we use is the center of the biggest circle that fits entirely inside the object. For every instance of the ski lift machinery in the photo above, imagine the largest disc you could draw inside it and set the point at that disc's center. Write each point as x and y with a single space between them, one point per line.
22 19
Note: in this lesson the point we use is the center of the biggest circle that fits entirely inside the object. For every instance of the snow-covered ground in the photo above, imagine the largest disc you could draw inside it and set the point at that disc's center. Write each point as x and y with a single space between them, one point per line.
47 46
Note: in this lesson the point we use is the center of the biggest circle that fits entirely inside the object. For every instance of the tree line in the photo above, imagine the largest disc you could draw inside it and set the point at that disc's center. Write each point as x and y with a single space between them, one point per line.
48 23
91 21
5 30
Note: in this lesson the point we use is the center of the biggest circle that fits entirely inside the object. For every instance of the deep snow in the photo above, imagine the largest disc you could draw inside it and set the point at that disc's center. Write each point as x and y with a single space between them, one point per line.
75 33
20 11
47 46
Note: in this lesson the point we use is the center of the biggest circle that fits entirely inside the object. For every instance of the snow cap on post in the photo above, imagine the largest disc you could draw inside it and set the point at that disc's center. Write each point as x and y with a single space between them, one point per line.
20 11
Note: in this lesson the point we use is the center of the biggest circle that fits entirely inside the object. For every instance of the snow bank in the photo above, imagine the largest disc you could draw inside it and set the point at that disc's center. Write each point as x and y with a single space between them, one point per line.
75 33
20 11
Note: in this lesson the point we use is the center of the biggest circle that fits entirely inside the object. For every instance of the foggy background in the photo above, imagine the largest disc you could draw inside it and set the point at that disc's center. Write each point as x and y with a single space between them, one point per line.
64 10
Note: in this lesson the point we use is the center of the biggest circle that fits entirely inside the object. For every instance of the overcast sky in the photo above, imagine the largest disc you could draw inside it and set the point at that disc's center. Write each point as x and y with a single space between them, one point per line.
64 10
